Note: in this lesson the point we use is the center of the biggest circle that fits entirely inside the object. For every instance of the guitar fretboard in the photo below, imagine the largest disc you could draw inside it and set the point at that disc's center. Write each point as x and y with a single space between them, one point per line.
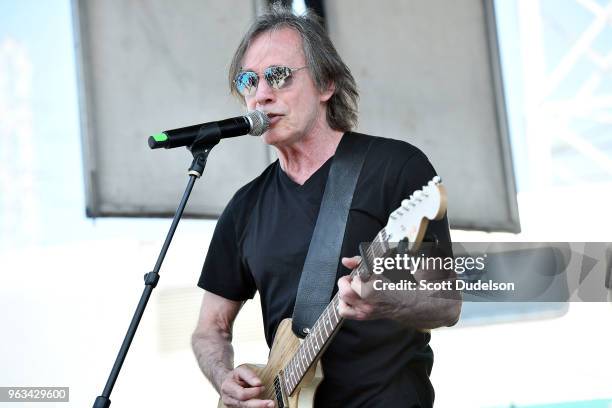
328 323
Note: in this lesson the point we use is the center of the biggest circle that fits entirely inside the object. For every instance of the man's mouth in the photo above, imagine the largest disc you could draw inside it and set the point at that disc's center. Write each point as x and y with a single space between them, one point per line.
274 117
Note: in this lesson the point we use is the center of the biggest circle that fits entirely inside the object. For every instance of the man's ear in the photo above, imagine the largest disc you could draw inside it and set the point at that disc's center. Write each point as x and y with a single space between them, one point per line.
325 95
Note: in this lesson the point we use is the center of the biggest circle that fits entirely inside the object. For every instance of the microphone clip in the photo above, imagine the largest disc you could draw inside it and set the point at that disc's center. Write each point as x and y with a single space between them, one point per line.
208 137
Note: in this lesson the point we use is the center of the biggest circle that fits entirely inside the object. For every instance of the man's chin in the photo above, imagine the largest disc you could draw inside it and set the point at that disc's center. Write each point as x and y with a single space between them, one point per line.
273 138
269 138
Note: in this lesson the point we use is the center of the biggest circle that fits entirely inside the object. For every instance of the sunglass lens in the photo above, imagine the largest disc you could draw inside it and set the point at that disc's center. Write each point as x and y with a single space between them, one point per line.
277 76
246 83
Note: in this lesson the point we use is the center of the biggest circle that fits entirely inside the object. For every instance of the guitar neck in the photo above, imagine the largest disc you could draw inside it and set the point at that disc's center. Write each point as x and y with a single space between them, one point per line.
326 326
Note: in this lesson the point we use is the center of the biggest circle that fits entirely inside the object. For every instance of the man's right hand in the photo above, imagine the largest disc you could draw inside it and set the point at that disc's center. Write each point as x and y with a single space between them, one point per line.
241 387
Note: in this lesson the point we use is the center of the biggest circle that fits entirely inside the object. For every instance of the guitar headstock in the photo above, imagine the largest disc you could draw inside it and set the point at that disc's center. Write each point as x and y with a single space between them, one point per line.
411 219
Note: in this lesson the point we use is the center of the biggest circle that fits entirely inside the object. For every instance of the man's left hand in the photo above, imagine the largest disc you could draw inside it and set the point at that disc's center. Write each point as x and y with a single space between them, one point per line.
419 309
359 301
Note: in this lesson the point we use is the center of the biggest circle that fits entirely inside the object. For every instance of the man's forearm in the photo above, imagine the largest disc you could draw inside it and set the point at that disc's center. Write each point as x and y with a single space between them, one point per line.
430 309
215 355
425 309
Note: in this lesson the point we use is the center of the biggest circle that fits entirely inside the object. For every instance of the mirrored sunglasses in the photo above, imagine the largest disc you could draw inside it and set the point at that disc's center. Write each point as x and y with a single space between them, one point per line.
276 76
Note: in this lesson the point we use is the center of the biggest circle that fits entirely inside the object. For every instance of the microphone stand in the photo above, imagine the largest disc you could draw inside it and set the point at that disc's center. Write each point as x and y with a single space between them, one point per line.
200 149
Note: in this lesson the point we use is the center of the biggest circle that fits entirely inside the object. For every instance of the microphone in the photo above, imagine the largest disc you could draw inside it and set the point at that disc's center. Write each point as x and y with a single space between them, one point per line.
254 123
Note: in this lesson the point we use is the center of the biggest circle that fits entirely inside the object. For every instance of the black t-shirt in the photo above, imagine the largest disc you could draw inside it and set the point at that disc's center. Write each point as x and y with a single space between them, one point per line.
260 243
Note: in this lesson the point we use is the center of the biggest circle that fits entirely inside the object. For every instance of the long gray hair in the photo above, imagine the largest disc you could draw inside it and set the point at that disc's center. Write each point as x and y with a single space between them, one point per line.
325 65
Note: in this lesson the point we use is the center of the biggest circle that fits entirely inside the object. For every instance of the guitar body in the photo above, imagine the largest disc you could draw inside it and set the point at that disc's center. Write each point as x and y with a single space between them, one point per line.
284 346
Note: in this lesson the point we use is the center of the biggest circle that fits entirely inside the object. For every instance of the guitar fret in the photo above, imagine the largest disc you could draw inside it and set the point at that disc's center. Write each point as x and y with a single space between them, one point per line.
303 361
307 353
288 382
378 246
361 269
298 362
377 249
311 346
307 358
309 350
313 350
382 249
292 377
322 339
314 336
325 328
372 249
298 369
335 308
306 344
384 239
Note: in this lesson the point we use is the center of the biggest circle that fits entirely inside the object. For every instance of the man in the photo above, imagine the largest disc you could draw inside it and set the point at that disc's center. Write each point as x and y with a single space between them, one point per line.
287 67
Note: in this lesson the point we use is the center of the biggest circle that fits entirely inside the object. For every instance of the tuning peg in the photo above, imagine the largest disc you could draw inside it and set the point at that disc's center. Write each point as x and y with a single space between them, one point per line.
418 195
437 180
406 204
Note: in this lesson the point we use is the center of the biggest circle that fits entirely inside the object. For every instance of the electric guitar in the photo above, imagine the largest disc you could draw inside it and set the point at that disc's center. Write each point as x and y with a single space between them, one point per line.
292 373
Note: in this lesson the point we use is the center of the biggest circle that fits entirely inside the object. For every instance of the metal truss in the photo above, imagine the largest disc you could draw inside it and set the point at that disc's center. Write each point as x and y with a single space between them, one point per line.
568 111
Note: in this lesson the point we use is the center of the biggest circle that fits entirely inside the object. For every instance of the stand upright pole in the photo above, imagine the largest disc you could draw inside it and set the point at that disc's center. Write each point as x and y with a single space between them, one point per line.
200 155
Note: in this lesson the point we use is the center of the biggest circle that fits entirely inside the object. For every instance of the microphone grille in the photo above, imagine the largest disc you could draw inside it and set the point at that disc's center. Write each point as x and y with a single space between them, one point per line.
259 122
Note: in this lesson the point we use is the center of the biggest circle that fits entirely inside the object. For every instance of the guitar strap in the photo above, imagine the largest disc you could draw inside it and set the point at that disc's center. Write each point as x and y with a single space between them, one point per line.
321 265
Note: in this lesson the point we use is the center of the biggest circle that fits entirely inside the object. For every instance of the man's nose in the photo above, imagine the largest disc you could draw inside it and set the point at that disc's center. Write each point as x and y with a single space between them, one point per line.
264 93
